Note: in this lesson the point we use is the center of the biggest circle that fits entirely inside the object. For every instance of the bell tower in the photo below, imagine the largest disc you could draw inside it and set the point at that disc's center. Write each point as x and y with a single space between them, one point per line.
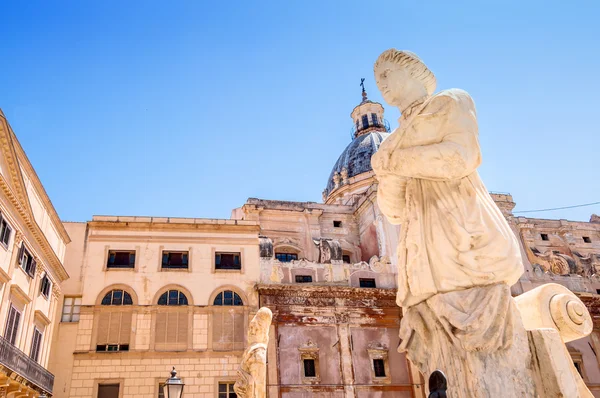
368 116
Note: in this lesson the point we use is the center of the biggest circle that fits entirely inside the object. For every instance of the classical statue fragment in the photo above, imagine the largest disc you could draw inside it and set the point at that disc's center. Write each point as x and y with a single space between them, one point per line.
252 374
457 256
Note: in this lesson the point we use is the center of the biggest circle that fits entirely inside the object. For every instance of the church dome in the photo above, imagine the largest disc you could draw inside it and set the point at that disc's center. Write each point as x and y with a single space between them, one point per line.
356 158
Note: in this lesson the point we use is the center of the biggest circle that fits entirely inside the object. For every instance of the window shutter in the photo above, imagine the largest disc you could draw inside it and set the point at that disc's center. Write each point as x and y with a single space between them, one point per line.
182 330
160 334
218 330
171 327
21 252
15 326
238 331
6 236
103 328
10 324
228 330
31 268
114 328
36 345
125 331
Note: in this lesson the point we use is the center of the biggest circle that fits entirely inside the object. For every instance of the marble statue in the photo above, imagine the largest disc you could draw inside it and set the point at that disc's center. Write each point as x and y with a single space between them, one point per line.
457 256
252 374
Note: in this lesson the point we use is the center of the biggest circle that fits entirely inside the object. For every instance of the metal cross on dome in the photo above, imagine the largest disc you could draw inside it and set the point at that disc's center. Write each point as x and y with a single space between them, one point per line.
362 84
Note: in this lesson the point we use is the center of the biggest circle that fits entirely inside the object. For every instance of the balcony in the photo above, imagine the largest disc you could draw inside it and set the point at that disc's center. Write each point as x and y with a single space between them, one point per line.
17 361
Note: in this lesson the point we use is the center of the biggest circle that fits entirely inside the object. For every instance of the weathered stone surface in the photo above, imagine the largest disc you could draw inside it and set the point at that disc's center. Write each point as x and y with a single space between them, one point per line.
252 374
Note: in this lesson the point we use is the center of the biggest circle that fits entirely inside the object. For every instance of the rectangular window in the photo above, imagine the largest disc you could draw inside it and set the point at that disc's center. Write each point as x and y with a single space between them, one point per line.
45 286
337 224
112 347
544 236
379 367
375 119
346 258
228 261
226 390
12 325
71 308
121 259
36 345
578 367
5 231
27 261
108 391
309 368
586 239
303 278
176 260
286 257
367 282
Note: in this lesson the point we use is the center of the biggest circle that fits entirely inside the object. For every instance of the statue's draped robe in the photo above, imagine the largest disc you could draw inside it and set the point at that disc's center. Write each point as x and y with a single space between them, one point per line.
453 236
252 375
457 256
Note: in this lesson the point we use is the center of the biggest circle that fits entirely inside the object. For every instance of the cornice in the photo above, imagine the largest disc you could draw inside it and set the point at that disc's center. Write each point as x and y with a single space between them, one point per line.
325 291
50 256
171 227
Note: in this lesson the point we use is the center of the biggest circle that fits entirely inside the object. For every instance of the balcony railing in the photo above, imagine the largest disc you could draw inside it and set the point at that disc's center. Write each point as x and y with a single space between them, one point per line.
381 124
17 361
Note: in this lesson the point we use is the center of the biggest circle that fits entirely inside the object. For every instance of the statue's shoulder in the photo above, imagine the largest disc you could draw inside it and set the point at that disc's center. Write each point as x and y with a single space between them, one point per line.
450 99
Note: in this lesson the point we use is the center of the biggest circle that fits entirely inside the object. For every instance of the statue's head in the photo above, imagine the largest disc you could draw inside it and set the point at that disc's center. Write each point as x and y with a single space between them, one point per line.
403 78
258 330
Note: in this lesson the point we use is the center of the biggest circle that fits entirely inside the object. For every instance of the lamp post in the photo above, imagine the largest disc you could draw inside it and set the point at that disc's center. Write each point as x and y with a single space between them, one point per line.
174 385
438 385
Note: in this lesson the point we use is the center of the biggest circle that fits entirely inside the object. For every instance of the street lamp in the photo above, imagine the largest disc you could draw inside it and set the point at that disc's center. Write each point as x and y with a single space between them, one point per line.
174 385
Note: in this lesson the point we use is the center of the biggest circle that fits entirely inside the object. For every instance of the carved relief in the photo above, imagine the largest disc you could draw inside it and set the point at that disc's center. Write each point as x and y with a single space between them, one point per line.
344 175
329 250
265 246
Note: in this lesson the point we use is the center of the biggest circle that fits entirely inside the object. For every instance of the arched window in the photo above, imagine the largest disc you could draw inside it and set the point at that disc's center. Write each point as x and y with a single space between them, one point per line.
172 297
228 323
228 297
171 328
117 297
114 324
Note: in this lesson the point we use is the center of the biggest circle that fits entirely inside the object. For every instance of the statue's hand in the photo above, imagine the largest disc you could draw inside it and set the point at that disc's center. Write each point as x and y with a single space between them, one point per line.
379 163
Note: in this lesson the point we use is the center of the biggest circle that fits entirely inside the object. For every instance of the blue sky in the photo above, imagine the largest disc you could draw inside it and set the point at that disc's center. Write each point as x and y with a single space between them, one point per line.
187 108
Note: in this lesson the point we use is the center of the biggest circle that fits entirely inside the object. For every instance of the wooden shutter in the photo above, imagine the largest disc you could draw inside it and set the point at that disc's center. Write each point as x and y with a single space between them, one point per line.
171 331
21 252
228 330
12 325
125 329
114 328
238 331
103 328
218 330
182 330
31 268
160 330
36 345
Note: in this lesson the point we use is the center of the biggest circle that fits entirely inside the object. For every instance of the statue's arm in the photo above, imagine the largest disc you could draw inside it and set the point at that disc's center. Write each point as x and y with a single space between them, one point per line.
456 156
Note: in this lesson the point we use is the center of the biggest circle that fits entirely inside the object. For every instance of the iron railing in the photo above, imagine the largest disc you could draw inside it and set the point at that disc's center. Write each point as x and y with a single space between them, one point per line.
383 124
17 361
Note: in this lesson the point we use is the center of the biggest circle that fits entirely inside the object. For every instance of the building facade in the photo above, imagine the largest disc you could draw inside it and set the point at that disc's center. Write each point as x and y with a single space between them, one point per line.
32 248
145 294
